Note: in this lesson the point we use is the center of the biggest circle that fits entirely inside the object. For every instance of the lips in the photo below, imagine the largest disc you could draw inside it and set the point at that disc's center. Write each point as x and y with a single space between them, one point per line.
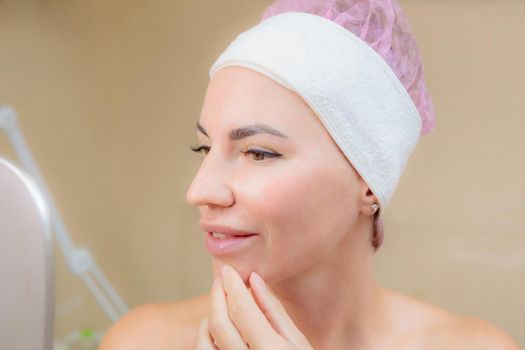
226 231
222 235
225 240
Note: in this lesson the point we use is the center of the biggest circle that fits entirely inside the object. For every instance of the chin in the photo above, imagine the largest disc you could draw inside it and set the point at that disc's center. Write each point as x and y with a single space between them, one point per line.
244 268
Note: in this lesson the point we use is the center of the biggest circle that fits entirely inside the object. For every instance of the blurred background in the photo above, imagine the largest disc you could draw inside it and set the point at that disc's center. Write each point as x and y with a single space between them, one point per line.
108 93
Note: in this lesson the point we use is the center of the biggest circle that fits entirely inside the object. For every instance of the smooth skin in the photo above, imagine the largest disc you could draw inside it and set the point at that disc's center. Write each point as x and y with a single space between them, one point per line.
306 280
242 320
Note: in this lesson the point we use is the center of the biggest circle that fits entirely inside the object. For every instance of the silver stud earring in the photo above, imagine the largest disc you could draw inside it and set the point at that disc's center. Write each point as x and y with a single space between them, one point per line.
374 207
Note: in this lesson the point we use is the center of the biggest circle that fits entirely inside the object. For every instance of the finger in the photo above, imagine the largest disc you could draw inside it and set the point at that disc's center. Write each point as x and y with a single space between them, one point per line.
204 340
245 313
220 325
274 311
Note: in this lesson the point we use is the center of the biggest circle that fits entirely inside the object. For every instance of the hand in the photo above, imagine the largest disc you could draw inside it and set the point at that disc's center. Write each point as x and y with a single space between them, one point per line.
241 320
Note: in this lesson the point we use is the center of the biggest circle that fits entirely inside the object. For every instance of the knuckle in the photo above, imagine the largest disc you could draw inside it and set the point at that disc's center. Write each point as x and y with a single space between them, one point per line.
238 310
215 324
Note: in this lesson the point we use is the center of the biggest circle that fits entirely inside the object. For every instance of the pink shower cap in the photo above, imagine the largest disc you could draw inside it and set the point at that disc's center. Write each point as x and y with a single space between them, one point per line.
383 26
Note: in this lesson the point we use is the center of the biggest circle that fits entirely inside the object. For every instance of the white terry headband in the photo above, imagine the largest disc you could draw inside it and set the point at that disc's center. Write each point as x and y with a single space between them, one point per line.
350 87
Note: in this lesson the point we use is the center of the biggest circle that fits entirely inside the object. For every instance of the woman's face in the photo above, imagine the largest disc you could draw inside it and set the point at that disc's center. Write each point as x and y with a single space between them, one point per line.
274 185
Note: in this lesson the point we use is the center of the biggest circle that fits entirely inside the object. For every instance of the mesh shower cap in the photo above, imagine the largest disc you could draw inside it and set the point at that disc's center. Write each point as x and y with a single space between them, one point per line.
383 26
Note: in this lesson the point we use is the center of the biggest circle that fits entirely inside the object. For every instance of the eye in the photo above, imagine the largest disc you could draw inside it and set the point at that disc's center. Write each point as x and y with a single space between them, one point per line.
200 149
259 155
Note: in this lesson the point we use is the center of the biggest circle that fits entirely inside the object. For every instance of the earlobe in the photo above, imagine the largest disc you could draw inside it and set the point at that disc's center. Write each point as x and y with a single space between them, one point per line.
374 207
370 204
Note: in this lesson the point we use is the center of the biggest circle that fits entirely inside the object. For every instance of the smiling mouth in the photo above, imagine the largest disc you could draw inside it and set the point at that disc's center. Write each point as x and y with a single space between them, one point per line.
229 244
220 235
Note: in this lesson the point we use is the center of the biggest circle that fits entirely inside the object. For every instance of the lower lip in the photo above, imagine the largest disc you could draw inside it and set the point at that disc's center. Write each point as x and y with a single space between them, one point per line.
228 245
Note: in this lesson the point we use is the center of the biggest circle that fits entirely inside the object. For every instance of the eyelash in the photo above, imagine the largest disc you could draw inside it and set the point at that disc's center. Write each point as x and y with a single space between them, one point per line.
200 148
206 150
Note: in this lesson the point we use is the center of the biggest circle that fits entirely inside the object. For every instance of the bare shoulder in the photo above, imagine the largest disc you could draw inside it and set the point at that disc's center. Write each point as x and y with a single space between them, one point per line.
427 326
464 332
158 326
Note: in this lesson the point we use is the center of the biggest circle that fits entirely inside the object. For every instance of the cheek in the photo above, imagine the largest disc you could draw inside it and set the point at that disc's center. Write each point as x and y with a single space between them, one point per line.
305 210
275 194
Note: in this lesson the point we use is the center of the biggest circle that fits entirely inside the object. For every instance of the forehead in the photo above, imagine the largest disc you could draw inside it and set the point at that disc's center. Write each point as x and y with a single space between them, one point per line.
237 96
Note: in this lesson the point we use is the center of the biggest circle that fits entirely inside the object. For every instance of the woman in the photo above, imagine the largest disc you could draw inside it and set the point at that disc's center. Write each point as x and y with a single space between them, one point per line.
307 123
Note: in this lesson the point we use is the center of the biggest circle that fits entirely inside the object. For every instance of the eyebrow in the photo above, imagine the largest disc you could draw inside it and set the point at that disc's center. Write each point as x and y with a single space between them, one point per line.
248 130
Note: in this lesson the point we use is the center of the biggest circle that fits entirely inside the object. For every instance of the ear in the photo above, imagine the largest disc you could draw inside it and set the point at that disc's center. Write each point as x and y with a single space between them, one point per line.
366 199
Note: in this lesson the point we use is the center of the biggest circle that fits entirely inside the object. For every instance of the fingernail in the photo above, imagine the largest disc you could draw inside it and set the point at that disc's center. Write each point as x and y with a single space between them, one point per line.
225 269
258 280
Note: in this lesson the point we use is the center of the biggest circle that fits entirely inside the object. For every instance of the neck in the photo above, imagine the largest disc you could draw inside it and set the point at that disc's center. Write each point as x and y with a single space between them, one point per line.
338 305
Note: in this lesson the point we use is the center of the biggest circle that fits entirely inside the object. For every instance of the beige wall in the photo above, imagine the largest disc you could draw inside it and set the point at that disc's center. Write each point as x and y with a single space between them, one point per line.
108 93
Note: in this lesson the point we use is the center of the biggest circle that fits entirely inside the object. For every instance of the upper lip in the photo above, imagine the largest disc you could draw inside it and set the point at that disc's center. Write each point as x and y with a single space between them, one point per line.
225 230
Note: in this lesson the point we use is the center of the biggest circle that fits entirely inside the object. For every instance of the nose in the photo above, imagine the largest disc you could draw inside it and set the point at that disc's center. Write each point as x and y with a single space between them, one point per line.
210 186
